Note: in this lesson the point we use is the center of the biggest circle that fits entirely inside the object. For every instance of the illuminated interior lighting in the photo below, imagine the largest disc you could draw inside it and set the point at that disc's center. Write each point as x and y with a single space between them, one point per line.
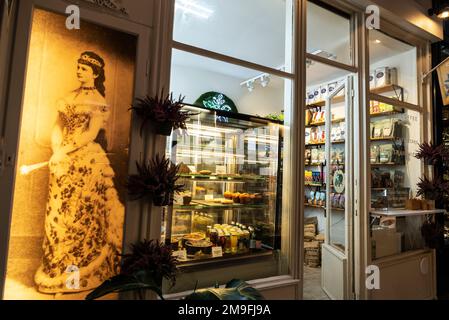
444 14
193 153
211 129
377 41
26 170
189 6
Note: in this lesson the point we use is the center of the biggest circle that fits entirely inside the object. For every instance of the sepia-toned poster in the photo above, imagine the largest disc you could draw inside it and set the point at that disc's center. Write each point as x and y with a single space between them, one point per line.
443 77
68 213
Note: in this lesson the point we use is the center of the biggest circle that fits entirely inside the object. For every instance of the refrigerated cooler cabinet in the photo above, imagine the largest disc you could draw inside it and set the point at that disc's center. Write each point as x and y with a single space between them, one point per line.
230 166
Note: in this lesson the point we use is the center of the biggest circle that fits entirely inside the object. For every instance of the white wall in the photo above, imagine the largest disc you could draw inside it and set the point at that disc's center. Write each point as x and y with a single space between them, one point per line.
193 82
407 74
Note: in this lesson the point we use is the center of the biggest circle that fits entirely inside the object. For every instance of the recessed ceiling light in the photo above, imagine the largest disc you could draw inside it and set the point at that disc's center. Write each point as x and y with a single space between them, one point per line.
444 14
377 41
190 6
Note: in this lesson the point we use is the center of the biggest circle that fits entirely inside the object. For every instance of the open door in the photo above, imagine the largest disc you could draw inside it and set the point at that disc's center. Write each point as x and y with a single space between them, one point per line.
337 252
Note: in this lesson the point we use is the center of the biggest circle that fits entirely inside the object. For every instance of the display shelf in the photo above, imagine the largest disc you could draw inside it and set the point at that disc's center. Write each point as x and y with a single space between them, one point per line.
202 206
323 123
322 207
396 111
313 184
323 143
386 139
389 88
207 260
389 164
405 213
322 103
378 91
314 164
222 178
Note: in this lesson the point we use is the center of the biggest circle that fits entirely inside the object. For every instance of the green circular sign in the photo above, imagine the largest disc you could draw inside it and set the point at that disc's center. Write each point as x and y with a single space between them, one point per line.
216 101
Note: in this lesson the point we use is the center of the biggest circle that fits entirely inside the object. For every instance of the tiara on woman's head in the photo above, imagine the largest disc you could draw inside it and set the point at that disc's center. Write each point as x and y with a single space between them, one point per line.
91 60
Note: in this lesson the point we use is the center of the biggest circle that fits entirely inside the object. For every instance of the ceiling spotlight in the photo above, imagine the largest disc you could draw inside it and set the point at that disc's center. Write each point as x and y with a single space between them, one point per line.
250 86
377 41
440 8
265 80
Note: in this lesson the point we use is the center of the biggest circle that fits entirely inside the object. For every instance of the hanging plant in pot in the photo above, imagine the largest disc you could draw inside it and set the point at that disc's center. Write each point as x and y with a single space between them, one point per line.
432 154
155 181
161 114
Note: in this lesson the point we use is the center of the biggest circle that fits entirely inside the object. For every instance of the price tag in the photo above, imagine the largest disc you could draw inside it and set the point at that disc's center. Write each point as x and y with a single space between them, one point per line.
217 252
209 197
220 169
180 254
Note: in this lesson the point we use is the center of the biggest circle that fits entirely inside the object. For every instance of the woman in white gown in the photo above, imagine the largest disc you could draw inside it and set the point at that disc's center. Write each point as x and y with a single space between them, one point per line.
84 219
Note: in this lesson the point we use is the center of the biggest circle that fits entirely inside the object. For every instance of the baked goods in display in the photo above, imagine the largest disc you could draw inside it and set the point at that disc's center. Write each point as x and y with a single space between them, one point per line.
184 169
205 172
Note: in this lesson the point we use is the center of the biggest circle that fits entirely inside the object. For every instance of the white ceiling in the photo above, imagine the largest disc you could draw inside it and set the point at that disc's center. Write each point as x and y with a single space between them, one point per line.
254 30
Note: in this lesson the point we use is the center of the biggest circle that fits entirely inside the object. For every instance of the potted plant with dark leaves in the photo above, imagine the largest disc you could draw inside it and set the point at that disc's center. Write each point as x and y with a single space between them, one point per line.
161 113
432 154
234 290
435 190
142 270
155 181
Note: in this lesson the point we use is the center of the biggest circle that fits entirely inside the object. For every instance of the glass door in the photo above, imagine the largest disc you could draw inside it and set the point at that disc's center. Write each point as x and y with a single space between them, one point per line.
336 275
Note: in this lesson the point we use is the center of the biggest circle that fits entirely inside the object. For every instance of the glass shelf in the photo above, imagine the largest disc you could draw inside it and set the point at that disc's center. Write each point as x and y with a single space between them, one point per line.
220 206
222 178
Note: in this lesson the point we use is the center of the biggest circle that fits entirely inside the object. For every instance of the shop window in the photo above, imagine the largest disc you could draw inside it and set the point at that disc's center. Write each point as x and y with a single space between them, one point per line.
328 34
234 155
395 134
393 68
249 30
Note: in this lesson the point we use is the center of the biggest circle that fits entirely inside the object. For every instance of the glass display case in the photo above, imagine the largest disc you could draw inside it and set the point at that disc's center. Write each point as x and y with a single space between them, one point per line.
397 231
230 167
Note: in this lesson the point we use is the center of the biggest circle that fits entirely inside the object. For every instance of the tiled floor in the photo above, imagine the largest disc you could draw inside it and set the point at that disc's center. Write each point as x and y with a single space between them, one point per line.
312 284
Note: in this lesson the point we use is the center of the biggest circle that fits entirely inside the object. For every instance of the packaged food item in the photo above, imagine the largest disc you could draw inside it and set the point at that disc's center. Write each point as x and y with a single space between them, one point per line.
324 92
385 107
308 136
316 95
385 76
333 134
386 153
321 156
310 97
314 156
308 156
342 126
308 118
376 130
331 87
374 154
372 82
387 128
311 197
374 107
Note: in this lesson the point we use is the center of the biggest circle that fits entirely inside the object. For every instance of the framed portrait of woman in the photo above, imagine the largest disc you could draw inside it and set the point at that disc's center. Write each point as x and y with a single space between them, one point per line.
74 148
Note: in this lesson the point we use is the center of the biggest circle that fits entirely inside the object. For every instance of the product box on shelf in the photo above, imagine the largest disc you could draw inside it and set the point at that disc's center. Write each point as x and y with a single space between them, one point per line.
385 76
385 242
372 82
